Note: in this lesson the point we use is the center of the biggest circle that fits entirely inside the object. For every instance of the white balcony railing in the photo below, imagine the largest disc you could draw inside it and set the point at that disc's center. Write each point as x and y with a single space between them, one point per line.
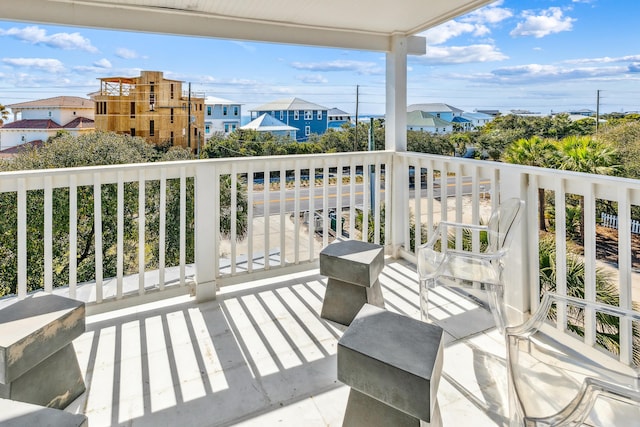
177 203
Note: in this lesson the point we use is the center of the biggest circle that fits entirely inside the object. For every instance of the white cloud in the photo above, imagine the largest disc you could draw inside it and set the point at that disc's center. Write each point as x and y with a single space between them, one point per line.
604 60
489 15
549 21
313 79
246 46
463 54
538 72
360 67
44 64
124 53
102 63
37 35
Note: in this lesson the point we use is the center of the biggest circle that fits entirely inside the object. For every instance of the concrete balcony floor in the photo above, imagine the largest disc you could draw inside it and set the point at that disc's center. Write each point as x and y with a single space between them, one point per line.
261 355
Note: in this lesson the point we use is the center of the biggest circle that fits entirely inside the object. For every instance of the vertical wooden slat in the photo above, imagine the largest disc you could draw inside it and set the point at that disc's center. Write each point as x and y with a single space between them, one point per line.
73 236
624 266
312 228
366 197
561 249
376 207
339 199
250 218
234 216
97 221
590 261
417 198
387 196
325 205
22 238
162 229
352 198
183 225
267 219
48 235
120 235
142 208
283 229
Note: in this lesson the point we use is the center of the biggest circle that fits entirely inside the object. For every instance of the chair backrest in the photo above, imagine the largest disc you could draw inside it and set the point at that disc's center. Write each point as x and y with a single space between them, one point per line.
502 224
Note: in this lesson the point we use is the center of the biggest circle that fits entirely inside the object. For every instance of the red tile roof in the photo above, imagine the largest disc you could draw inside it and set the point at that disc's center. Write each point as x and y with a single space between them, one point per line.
33 124
58 101
11 151
80 122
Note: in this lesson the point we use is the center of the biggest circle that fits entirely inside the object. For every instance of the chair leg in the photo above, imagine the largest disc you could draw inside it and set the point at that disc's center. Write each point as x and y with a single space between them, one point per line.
424 300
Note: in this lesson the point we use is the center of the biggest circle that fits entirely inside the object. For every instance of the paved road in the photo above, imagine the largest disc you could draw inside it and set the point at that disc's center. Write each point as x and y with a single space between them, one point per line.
318 196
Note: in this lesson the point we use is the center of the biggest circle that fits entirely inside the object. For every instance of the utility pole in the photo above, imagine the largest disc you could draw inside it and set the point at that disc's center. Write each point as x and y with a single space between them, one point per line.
189 118
597 110
355 143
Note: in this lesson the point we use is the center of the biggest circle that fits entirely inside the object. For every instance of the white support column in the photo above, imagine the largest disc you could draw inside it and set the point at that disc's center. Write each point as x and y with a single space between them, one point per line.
396 139
205 233
516 271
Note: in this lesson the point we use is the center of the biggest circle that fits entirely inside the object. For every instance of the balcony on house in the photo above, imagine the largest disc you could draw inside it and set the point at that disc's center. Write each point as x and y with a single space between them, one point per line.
231 332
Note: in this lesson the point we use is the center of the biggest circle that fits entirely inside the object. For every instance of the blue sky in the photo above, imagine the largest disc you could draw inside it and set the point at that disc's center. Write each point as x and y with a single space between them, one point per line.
540 55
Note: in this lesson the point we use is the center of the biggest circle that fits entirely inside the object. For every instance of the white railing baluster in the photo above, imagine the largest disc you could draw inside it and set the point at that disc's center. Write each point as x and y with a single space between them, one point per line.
326 225
561 250
142 208
234 216
162 229
417 198
73 235
48 235
22 238
590 262
312 213
376 207
352 198
388 173
266 196
283 232
250 218
533 241
183 226
430 199
97 222
120 236
624 266
366 197
339 199
296 213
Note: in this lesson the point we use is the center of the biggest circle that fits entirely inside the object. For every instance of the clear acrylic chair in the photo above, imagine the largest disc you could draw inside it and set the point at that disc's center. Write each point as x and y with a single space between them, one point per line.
557 377
463 267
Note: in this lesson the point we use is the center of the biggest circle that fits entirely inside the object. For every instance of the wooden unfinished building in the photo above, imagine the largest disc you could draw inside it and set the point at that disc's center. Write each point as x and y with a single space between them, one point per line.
151 107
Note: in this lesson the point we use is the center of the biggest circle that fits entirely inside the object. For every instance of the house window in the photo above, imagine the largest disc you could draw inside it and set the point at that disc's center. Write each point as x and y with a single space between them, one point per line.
233 127
152 128
319 115
307 130
438 115
208 110
133 131
171 90
132 112
296 115
281 115
152 95
171 137
207 129
236 110
171 115
225 110
227 128
308 115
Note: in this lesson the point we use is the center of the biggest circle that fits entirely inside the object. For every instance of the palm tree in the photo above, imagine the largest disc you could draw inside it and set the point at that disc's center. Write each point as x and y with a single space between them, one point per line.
534 151
4 114
585 154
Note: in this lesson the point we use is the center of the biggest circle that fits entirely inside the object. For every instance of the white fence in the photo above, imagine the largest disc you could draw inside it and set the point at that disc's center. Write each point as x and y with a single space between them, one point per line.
611 221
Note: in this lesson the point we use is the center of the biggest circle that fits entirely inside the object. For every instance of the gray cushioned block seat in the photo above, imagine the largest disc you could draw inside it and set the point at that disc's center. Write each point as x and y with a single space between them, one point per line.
352 268
37 361
395 361
20 414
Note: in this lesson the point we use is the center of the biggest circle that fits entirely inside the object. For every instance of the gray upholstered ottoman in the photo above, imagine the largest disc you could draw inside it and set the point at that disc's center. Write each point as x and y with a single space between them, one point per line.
352 268
393 364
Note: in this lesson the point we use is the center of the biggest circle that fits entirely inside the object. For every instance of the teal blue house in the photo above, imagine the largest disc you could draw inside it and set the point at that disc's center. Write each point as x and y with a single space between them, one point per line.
295 112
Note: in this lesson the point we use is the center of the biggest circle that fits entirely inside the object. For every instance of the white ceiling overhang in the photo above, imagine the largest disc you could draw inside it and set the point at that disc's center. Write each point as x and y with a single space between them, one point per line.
352 24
